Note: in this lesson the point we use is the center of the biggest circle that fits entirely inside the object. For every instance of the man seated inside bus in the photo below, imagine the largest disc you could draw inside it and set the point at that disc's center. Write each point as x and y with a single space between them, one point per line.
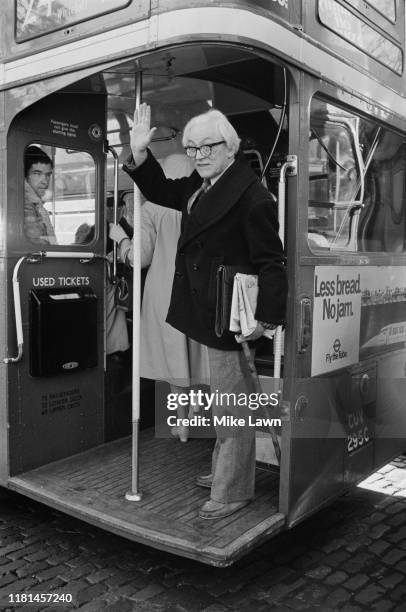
38 168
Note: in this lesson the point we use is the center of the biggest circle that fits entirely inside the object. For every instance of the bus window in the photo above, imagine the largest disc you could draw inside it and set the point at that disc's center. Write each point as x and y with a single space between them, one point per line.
59 195
359 33
356 183
386 7
36 17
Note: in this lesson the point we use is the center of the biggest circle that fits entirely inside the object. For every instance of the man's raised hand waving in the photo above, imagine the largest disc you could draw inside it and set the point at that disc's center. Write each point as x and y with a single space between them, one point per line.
141 133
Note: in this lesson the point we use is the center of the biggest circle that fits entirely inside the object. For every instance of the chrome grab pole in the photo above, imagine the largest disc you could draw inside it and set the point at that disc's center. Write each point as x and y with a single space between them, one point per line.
135 494
289 168
112 150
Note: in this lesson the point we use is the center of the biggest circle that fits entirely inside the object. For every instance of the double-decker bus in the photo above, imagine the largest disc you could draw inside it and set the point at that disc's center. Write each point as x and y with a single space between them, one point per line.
316 90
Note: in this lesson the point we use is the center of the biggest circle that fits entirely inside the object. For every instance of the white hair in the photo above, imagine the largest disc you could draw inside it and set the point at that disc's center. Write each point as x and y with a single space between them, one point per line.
220 121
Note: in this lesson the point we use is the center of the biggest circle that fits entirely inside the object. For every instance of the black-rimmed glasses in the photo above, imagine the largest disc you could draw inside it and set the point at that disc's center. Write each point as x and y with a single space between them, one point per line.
205 150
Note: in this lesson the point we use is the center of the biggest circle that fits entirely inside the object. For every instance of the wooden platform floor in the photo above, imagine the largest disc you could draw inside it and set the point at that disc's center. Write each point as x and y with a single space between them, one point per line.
92 486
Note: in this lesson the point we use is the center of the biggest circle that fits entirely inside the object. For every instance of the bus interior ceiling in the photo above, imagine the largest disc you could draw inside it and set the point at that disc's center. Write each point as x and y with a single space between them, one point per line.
178 84
182 82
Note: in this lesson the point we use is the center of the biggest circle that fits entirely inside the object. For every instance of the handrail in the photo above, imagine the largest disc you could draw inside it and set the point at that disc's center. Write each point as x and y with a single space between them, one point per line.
109 148
17 312
289 167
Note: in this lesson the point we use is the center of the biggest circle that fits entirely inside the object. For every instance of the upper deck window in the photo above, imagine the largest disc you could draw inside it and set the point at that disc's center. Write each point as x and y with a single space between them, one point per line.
348 26
37 17
386 7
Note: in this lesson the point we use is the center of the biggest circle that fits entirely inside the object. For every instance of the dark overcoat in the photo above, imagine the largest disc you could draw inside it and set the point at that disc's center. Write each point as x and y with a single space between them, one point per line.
235 223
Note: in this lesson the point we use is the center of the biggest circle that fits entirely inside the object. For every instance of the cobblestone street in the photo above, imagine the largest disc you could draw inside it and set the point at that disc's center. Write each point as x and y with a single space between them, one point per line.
351 557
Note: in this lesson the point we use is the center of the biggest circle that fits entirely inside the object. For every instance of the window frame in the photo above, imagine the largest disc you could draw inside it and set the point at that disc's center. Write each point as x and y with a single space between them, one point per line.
96 211
322 252
65 26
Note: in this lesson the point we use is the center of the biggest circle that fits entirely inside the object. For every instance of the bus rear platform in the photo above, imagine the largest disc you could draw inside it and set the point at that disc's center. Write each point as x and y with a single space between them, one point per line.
91 486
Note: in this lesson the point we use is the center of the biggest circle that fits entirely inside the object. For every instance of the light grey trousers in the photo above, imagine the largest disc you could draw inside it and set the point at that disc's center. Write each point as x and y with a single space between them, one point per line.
233 459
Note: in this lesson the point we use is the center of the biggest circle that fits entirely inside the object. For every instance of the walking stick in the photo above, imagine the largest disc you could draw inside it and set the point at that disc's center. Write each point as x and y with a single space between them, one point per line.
257 386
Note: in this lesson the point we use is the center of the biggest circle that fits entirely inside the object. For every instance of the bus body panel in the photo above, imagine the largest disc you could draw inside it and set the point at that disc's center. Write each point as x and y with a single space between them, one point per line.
345 421
54 32
52 415
4 452
209 23
307 16
390 411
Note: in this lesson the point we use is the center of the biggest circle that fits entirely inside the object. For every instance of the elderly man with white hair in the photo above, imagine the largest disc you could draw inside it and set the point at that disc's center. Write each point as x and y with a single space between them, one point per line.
228 218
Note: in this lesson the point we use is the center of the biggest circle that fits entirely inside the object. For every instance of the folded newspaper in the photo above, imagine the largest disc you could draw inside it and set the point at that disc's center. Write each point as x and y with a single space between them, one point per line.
243 306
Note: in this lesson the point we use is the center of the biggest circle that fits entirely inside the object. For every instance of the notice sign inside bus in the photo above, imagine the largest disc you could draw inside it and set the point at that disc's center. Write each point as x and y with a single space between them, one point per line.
336 318
38 17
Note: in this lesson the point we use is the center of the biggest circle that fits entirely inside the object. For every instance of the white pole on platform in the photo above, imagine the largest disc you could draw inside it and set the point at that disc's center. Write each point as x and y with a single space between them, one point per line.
135 494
